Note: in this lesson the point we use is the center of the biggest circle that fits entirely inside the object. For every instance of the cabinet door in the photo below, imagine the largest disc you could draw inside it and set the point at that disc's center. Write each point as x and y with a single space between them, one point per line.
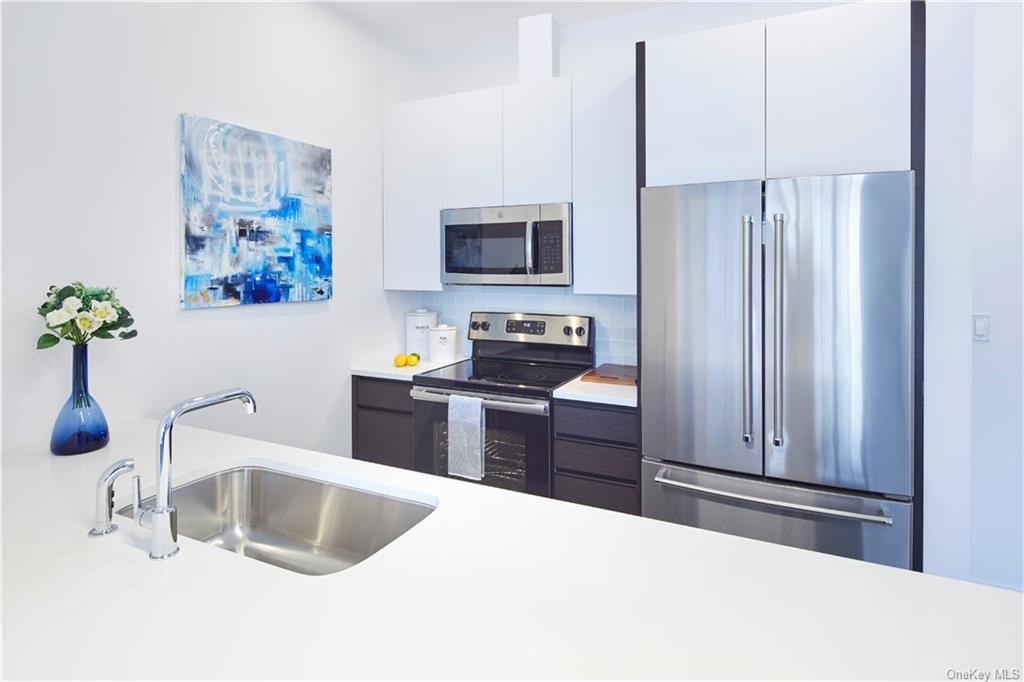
471 149
412 195
537 134
604 184
704 94
838 90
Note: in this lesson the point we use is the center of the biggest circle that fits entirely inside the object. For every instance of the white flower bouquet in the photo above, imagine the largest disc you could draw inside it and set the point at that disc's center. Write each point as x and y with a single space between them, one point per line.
80 314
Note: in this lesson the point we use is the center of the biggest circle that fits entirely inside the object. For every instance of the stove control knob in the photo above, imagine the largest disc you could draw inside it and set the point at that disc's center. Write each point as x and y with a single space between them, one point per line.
567 330
580 331
486 326
474 325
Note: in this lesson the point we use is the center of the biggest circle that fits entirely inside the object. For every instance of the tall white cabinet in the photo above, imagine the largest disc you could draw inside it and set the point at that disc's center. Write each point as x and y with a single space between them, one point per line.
604 183
412 195
471 144
838 90
537 142
705 106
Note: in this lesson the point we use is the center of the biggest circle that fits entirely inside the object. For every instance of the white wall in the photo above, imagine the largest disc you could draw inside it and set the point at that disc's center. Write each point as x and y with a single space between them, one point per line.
973 391
91 95
997 440
605 44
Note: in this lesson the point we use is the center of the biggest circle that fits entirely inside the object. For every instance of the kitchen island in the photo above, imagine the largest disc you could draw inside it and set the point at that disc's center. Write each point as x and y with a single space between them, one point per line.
491 584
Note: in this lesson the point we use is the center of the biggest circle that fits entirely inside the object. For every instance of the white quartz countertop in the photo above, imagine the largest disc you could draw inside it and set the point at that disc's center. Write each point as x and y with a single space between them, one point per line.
491 584
595 392
385 369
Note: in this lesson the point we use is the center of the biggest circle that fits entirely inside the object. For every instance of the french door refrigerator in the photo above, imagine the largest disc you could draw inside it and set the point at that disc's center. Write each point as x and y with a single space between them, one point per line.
776 385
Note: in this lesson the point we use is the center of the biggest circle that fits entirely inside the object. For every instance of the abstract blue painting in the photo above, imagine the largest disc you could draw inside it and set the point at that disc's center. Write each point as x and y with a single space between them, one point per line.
257 216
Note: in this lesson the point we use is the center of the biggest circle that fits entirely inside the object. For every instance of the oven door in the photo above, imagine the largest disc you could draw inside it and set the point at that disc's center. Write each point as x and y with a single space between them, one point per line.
517 438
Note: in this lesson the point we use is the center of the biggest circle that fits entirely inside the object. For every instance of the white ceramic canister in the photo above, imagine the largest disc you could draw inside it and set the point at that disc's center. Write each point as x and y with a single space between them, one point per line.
417 326
443 341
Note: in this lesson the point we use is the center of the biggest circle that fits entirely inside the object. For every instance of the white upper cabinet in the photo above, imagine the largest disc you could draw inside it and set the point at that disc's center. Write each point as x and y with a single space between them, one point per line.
604 184
537 142
838 90
412 195
471 149
704 94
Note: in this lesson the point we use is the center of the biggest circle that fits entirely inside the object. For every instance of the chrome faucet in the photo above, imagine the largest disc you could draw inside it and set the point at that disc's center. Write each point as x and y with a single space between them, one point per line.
162 517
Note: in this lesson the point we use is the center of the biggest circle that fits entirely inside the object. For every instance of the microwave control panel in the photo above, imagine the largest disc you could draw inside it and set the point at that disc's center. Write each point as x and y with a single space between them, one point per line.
550 247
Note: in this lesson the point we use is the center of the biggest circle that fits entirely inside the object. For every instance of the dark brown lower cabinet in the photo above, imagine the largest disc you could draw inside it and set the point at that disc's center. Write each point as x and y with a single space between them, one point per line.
382 421
596 456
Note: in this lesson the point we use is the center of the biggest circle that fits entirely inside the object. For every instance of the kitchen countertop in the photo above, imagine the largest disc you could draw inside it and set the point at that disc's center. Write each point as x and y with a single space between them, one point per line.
491 584
385 369
595 392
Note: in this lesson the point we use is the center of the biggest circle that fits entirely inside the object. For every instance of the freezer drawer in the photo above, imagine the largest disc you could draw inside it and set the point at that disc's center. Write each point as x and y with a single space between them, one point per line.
872 529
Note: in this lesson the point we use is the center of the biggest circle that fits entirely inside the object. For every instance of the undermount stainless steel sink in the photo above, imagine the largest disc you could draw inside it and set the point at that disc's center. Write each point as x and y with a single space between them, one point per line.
304 525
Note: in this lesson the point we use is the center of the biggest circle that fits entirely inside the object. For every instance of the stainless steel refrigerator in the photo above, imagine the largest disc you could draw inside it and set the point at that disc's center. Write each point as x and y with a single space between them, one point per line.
776 373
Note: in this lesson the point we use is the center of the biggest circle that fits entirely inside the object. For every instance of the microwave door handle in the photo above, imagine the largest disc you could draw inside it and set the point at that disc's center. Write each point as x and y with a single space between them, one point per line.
531 229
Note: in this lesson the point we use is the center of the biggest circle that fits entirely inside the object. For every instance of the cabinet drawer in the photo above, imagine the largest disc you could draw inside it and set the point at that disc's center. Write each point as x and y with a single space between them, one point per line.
618 497
383 394
602 460
384 438
596 423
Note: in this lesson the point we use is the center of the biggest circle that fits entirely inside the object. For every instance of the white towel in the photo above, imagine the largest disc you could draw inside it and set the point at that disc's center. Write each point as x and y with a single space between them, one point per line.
466 437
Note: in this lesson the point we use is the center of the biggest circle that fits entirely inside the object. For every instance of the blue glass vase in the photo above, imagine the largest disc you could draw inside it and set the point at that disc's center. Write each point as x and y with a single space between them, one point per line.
81 425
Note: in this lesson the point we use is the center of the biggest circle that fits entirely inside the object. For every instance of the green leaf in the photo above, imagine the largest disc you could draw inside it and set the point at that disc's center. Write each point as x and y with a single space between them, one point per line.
100 334
65 292
47 341
129 335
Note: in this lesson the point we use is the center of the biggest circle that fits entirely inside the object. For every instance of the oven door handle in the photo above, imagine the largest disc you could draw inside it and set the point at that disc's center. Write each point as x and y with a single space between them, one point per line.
523 406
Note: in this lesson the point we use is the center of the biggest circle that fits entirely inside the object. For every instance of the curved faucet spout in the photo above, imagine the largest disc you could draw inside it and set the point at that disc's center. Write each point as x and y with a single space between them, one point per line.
162 513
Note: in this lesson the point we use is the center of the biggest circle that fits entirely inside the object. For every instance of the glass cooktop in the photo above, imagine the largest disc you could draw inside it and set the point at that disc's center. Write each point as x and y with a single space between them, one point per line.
494 375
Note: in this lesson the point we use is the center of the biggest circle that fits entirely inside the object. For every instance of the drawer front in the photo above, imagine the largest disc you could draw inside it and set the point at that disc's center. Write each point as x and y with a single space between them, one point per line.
618 497
384 438
602 460
383 394
596 423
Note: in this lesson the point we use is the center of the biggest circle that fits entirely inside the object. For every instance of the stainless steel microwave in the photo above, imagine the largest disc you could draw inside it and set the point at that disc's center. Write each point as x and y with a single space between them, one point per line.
524 245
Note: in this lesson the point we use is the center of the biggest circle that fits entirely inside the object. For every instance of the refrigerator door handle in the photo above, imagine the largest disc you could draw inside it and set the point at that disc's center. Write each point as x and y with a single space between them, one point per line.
747 332
662 478
778 222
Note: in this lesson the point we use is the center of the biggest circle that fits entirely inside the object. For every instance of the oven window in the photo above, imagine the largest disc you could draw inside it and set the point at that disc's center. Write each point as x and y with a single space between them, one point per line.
504 456
486 249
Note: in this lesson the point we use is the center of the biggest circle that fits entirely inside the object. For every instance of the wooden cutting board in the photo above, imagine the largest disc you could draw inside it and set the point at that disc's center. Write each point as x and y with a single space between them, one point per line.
623 375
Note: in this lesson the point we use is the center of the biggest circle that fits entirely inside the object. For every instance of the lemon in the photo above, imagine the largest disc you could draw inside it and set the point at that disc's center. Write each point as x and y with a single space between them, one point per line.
400 360
412 360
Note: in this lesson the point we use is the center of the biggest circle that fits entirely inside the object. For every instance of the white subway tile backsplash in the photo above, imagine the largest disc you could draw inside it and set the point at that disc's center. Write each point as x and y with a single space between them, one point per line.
614 316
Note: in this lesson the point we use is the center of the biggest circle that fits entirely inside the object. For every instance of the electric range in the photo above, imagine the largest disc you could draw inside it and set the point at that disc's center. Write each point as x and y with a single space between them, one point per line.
518 360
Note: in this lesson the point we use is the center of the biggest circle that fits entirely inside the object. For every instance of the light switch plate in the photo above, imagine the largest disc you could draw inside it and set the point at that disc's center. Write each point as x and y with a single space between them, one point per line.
981 326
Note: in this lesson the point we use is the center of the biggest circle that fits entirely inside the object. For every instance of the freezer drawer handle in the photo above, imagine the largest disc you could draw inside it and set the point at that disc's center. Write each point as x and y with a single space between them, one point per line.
520 406
778 221
747 332
661 478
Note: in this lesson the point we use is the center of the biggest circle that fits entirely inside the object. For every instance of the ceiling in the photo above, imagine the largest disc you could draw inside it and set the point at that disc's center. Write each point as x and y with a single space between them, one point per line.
441 25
